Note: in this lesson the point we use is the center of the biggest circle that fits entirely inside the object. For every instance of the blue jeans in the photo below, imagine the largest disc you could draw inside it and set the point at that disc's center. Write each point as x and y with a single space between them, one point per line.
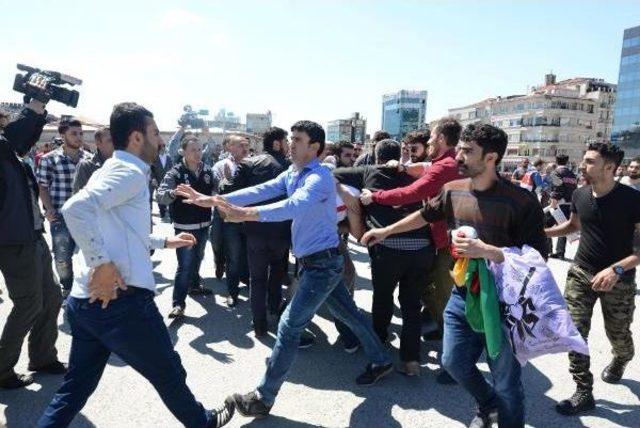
189 260
63 248
320 281
234 247
461 349
215 236
132 328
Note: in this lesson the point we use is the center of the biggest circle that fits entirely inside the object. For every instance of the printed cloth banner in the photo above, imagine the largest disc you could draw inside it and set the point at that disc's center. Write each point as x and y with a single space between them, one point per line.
534 312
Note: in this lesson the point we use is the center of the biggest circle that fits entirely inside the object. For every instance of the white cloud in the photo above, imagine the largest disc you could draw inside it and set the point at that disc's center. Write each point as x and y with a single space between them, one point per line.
179 18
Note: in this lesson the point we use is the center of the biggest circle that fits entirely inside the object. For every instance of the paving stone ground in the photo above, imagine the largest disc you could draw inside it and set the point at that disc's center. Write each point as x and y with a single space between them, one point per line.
222 356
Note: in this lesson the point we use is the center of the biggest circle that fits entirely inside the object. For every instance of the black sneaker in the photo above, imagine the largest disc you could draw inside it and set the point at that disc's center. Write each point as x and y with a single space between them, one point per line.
614 371
580 401
16 381
250 405
484 420
176 312
559 256
372 374
306 341
221 416
55 368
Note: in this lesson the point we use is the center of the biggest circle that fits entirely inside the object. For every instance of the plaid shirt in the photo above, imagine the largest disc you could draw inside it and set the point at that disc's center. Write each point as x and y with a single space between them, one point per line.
55 172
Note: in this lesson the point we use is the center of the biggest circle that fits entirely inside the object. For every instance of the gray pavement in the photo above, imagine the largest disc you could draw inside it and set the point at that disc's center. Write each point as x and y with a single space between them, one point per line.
222 356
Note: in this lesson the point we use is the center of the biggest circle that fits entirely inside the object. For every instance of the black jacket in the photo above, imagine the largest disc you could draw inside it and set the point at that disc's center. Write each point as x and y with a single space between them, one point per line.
381 178
16 211
563 183
257 170
186 216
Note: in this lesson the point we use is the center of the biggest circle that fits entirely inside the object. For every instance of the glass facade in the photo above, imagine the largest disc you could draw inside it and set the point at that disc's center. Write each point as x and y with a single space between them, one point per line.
626 119
403 112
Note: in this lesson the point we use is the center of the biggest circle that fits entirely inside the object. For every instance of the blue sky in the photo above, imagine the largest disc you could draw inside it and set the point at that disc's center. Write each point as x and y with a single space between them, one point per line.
318 60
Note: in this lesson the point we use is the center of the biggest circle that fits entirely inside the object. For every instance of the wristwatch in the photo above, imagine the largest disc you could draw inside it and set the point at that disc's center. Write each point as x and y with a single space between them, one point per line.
619 270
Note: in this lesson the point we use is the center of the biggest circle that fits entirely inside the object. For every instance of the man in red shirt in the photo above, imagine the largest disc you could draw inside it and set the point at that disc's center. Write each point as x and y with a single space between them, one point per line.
443 169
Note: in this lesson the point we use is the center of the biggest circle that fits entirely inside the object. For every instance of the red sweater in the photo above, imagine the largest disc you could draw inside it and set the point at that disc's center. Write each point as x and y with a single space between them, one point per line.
443 170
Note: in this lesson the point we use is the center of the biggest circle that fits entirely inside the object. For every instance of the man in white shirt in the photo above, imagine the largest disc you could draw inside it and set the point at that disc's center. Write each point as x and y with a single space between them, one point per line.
111 307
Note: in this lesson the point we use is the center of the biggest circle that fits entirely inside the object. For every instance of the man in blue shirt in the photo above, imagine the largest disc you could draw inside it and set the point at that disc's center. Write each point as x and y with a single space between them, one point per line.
311 204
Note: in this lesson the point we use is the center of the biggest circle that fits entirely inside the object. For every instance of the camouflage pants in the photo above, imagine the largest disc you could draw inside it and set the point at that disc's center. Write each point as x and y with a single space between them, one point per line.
617 310
439 285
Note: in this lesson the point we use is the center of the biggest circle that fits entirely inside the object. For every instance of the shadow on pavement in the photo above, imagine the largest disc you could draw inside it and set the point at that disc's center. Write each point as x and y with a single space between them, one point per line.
25 406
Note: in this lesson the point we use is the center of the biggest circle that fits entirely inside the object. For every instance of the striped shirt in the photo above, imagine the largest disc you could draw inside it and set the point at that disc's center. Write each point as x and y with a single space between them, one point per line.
504 215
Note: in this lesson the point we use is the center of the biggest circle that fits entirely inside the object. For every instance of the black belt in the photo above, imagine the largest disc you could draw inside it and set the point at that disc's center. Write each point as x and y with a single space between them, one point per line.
330 252
130 291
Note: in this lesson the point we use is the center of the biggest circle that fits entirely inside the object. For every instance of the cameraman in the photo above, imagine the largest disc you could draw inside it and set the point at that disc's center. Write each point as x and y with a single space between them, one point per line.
25 260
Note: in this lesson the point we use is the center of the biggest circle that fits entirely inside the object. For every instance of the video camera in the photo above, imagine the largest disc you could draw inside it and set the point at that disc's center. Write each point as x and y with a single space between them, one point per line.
44 85
190 117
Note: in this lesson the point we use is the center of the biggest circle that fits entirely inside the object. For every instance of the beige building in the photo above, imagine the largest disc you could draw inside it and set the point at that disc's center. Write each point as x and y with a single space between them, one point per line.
553 118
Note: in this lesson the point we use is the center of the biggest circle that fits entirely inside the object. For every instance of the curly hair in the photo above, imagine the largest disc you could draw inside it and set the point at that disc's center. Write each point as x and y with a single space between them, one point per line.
490 138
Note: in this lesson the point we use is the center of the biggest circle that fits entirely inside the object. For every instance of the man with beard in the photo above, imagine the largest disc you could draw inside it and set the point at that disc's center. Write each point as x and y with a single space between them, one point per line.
55 175
443 169
343 152
109 218
504 216
310 203
608 215
417 141
633 174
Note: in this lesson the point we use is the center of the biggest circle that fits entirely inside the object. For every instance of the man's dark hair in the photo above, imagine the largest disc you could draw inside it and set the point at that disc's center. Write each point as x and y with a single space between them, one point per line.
609 152
184 142
490 138
418 137
537 162
100 133
337 147
125 119
387 150
272 135
562 160
380 135
68 123
636 160
450 129
313 130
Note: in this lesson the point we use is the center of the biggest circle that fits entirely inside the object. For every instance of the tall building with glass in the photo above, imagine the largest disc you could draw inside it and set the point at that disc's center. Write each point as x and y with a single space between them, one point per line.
403 112
626 119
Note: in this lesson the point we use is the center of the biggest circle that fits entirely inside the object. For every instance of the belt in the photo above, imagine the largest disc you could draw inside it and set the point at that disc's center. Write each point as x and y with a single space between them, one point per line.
130 291
330 252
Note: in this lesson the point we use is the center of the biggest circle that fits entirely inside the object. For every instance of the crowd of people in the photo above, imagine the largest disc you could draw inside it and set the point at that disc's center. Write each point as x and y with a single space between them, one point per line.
300 196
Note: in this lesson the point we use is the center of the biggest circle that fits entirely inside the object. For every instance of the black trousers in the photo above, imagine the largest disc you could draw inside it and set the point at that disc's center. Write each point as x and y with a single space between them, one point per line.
36 298
407 269
267 272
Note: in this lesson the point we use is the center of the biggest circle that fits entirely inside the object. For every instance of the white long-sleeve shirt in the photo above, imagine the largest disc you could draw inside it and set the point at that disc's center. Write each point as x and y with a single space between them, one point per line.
110 220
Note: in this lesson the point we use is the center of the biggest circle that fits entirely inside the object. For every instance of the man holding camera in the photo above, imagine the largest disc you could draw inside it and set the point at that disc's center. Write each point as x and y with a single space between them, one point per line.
25 260
55 175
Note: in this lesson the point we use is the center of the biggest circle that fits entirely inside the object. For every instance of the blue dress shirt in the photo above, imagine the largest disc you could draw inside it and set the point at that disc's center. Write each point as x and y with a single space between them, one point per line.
310 203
